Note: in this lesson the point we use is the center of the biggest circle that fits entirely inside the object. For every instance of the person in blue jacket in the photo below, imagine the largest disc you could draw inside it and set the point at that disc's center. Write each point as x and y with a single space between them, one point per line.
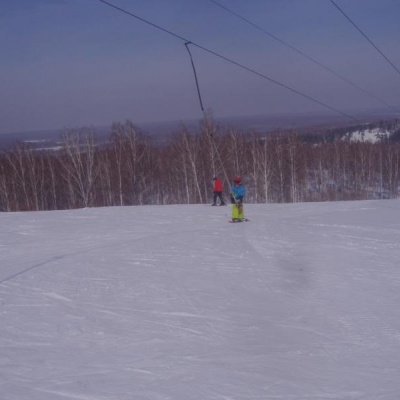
238 192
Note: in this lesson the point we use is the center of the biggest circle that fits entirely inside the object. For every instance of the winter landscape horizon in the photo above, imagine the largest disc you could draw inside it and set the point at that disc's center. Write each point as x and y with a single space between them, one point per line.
163 130
174 303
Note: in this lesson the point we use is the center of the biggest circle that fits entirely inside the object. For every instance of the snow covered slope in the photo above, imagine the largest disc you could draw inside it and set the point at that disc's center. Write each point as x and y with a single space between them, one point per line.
174 303
368 135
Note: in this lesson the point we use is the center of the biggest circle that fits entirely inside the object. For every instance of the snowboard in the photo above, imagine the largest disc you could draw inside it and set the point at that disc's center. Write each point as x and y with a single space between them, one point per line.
238 221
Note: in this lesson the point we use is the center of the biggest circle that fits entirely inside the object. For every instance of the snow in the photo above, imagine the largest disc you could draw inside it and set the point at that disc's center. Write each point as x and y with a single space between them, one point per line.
174 303
368 135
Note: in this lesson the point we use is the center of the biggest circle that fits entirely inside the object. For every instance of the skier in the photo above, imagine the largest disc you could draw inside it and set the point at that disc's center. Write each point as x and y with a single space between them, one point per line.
217 191
237 193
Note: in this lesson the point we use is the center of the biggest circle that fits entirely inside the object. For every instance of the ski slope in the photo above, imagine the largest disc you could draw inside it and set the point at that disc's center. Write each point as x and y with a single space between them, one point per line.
174 303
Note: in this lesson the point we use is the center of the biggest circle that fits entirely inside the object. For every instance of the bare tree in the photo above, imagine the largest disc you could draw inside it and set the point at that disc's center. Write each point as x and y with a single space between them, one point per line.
392 165
20 176
78 162
4 187
188 146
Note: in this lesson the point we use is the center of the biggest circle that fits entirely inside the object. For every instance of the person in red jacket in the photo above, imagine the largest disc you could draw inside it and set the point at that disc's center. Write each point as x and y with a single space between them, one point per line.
217 191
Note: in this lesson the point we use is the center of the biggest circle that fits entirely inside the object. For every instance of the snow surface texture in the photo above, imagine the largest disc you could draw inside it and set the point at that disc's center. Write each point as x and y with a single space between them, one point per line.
172 302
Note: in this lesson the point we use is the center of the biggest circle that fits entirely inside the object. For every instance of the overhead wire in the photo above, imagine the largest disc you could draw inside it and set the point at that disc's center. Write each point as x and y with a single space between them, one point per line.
303 54
195 76
248 69
366 37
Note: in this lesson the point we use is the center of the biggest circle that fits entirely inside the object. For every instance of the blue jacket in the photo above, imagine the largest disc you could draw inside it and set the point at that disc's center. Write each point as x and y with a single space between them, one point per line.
238 191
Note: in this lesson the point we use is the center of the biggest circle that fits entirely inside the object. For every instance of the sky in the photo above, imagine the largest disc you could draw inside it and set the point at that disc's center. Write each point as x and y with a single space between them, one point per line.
122 303
74 63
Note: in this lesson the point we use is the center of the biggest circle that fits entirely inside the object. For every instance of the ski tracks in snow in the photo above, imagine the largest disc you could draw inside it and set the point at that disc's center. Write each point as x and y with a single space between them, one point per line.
164 304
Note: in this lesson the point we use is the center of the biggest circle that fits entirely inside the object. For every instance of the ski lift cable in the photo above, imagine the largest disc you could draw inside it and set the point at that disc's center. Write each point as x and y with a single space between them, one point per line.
366 37
195 75
248 69
304 55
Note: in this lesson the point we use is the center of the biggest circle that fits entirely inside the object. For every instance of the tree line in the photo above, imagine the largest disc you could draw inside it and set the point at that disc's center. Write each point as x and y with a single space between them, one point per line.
132 168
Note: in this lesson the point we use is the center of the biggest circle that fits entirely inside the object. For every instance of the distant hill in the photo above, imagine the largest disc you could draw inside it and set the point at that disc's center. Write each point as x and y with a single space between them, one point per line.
46 139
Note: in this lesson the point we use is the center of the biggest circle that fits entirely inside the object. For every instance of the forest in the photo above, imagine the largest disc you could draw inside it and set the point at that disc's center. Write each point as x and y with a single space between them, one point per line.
132 168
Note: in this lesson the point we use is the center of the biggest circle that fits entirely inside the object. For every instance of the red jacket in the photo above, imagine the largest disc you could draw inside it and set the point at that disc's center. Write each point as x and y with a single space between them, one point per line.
217 185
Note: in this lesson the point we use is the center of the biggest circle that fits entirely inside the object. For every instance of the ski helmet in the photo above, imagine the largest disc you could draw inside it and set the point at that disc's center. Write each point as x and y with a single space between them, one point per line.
237 179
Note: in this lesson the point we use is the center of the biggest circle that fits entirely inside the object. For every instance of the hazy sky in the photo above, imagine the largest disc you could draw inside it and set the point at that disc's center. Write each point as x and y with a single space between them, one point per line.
73 63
